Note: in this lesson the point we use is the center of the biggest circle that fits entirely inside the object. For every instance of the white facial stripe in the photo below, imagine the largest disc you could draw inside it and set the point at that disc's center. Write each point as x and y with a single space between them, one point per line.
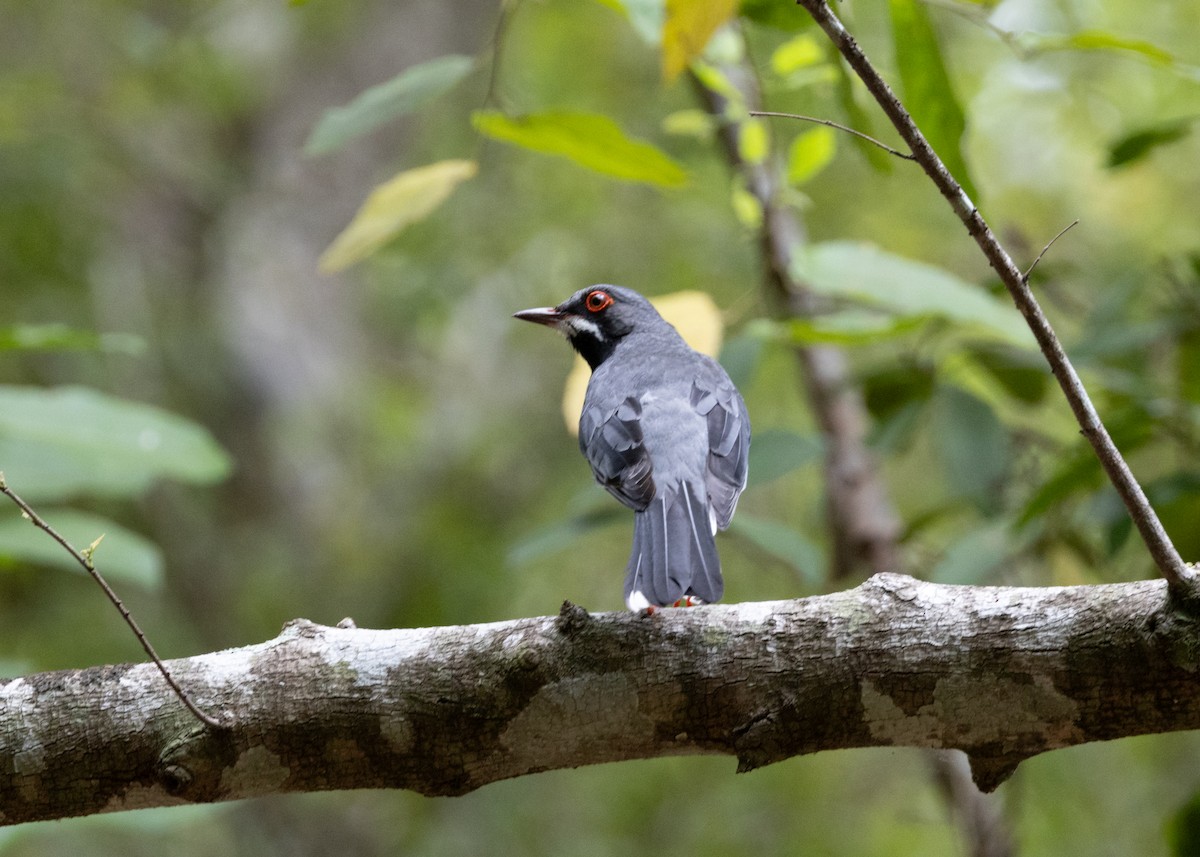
583 325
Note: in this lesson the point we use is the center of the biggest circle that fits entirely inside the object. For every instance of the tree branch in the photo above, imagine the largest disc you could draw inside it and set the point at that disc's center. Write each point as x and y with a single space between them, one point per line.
831 124
84 558
1183 580
1000 673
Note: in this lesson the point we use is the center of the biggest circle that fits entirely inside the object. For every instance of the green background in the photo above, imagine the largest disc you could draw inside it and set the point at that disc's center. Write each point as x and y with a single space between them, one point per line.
385 443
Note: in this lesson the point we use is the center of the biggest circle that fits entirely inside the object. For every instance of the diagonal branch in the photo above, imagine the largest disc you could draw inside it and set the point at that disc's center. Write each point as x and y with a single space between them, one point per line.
1000 673
84 558
1184 581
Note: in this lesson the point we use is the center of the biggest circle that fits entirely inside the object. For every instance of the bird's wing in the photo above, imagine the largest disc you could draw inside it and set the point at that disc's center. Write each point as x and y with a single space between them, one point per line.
611 440
728 444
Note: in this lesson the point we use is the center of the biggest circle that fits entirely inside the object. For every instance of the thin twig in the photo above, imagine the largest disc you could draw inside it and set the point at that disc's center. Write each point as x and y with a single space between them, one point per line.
908 156
504 18
1049 244
85 560
1182 580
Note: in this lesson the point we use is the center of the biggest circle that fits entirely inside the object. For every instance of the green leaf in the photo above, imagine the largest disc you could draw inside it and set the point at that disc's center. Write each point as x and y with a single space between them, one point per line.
893 386
972 445
1022 374
59 337
741 357
857 117
848 327
69 441
1096 40
852 328
771 13
972 559
811 152
865 273
896 431
746 207
1176 499
404 199
1183 829
561 534
796 53
589 139
753 141
1077 471
713 78
1136 145
775 452
11 668
928 94
410 90
122 556
645 16
690 123
784 543
1187 365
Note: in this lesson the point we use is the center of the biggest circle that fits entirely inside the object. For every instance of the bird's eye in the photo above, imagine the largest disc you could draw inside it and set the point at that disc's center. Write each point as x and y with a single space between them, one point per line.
597 301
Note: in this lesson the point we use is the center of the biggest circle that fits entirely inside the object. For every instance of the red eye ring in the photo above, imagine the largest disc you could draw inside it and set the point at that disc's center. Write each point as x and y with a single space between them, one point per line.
597 301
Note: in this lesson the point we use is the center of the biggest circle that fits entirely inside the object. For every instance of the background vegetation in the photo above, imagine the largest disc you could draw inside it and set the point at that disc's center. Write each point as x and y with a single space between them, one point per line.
386 443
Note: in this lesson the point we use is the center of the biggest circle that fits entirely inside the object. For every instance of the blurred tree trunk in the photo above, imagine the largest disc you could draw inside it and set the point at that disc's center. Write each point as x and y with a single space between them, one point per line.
863 526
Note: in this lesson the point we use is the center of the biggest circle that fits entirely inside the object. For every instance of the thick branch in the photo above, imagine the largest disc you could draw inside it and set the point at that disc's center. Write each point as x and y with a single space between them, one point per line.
1001 673
1183 580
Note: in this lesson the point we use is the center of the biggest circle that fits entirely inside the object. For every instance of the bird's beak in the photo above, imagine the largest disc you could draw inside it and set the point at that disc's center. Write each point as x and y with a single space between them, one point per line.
547 315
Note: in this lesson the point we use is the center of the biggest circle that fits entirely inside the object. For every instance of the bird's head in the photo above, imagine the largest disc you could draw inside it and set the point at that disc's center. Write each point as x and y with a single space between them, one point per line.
596 319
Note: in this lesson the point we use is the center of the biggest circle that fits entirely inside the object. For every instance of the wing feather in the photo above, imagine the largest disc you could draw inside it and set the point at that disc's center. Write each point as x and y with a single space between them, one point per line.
728 445
613 445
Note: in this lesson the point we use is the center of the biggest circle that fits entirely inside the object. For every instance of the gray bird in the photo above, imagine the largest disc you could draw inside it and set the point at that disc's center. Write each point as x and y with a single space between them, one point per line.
665 432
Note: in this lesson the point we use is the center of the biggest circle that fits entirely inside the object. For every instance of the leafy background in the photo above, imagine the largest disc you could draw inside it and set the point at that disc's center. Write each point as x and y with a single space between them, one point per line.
258 262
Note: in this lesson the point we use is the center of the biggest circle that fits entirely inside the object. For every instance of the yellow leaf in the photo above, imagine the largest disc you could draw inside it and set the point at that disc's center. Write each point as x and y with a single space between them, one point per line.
694 315
406 198
688 27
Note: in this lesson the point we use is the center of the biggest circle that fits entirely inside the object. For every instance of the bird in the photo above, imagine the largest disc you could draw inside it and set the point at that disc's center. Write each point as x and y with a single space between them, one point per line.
665 431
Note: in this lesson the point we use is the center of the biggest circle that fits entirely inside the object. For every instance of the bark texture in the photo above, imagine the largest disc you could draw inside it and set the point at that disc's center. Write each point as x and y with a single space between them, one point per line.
1001 673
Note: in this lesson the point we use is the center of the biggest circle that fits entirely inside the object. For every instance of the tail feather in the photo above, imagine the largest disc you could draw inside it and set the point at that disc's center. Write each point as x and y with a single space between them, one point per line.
674 552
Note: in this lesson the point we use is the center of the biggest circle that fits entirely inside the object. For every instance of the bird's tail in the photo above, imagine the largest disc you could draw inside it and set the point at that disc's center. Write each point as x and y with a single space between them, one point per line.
674 552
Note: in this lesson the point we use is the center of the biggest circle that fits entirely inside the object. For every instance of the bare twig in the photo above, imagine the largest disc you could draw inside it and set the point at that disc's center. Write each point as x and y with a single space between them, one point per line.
504 18
1182 579
1049 244
908 156
84 558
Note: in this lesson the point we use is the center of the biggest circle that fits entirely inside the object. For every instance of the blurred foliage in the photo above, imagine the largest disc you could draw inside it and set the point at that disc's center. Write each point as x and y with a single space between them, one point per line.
396 446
